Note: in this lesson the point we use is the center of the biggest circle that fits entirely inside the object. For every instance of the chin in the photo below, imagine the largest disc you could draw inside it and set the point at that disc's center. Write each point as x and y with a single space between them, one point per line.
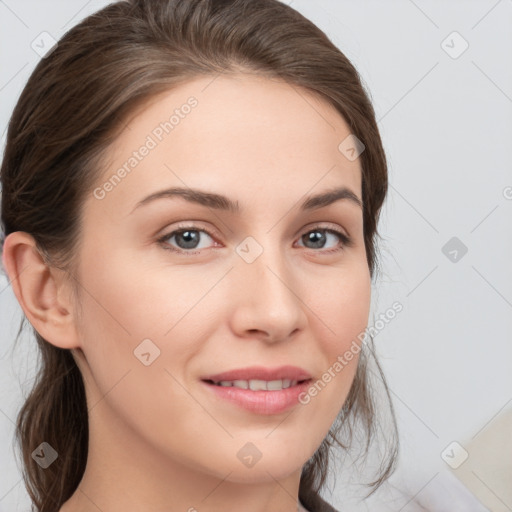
262 473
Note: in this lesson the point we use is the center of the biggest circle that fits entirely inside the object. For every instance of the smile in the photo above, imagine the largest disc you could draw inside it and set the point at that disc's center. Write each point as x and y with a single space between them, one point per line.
258 385
259 396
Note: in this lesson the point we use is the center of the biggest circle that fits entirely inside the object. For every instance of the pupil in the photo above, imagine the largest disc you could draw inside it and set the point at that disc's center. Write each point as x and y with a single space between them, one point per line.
191 239
318 238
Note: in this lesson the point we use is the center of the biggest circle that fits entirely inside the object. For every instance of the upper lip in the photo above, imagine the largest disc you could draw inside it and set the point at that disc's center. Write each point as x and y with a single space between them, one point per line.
261 373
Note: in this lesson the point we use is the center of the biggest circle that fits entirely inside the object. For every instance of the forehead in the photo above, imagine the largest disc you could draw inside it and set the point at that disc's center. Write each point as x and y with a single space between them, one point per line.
239 134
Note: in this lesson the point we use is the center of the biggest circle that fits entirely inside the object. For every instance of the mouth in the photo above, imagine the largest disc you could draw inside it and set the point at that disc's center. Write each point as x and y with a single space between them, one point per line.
259 389
257 384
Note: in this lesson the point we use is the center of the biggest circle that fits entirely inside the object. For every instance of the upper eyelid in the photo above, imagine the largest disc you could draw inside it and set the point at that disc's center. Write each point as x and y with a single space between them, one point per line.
213 232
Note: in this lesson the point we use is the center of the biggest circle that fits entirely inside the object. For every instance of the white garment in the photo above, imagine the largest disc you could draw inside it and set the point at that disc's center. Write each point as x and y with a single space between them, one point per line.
300 508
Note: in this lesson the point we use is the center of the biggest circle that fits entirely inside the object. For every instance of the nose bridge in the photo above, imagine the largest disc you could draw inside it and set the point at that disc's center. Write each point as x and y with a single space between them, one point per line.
268 297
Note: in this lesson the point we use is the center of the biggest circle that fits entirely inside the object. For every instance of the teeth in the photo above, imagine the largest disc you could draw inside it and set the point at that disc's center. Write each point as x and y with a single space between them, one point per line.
259 385
274 384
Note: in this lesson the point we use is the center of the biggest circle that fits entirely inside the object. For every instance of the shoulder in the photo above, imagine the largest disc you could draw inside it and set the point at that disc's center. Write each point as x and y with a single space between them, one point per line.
316 504
323 506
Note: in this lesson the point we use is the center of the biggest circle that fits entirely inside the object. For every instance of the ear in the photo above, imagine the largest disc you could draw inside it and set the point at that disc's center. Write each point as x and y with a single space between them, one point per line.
42 291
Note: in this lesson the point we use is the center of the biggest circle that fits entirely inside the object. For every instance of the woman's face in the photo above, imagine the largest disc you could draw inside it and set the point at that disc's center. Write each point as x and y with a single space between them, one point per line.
268 284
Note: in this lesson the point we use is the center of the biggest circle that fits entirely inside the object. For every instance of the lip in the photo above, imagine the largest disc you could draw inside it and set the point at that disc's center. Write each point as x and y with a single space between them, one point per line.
261 373
261 401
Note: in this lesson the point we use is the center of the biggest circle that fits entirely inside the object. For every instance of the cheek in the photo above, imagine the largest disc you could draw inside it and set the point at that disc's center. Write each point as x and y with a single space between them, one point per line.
128 322
343 305
124 304
140 301
341 316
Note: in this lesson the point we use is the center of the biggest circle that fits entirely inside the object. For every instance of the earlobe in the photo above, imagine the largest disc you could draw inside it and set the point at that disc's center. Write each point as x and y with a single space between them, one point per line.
39 289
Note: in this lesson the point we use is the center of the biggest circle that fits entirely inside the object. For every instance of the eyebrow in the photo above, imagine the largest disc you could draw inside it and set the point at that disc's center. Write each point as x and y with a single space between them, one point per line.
220 202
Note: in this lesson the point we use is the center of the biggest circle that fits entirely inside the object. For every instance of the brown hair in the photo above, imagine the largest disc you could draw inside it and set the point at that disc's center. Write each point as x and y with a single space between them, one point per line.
69 113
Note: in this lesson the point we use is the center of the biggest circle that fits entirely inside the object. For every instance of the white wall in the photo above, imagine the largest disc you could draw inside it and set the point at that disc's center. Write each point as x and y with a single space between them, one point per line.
447 128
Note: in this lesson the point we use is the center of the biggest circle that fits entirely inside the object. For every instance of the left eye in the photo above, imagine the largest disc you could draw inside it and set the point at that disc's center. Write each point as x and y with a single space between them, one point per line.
188 239
319 236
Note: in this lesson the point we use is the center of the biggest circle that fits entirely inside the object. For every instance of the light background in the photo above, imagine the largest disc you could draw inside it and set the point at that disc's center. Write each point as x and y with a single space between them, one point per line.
446 122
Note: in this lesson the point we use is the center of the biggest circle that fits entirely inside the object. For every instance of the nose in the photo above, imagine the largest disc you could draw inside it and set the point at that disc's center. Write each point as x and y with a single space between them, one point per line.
266 301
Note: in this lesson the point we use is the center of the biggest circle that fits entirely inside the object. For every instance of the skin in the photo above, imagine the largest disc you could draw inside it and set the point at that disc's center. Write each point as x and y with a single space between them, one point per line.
159 440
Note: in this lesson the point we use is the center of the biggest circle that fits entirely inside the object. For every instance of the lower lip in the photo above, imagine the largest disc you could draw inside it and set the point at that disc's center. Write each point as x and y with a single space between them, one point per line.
261 402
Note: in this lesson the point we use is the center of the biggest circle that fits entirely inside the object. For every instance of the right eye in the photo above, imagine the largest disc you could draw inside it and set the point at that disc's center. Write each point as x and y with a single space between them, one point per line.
187 238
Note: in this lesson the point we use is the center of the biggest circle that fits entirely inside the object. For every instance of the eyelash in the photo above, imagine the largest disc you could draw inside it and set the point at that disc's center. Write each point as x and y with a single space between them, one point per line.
345 240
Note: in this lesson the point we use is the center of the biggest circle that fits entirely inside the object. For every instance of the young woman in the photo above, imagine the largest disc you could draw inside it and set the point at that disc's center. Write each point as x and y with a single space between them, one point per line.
190 198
